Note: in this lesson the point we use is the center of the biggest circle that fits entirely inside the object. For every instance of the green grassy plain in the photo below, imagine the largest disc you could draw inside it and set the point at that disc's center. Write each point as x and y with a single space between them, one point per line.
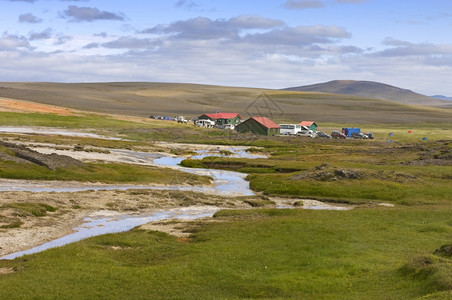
370 252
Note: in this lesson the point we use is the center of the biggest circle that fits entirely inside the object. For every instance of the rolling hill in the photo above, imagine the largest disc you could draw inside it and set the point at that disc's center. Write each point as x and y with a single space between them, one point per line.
371 89
191 100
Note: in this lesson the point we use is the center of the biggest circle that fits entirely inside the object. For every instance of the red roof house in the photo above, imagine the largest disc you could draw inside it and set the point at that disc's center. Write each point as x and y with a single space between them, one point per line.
259 125
223 118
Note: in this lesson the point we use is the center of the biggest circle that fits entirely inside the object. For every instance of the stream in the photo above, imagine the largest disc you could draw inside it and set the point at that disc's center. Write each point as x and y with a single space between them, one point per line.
100 225
225 183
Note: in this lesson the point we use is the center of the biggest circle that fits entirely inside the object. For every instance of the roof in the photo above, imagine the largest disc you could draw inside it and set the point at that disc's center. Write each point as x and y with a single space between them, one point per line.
306 123
223 115
265 122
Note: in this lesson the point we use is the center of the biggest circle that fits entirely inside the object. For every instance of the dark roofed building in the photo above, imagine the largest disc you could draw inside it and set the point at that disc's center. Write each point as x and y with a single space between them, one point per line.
259 125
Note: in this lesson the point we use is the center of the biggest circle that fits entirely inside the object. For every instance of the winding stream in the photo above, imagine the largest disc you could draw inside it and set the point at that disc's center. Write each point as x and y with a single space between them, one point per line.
95 226
225 183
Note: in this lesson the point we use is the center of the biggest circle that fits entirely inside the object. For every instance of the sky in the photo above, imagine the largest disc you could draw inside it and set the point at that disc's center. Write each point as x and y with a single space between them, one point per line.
246 43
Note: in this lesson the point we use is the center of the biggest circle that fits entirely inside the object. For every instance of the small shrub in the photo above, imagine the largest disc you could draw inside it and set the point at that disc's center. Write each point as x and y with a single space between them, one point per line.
37 210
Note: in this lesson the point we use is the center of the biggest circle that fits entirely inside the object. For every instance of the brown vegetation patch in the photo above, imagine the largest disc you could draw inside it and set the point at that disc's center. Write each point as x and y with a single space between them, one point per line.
26 106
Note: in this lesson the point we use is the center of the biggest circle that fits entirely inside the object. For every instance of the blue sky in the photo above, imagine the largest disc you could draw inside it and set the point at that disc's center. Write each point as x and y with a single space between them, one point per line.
274 43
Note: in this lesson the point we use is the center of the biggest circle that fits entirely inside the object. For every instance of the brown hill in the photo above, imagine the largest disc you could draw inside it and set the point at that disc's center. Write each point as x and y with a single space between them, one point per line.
191 100
371 89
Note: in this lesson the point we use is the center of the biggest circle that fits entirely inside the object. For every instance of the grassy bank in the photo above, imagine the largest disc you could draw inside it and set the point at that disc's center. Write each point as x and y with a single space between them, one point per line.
382 253
406 173
105 173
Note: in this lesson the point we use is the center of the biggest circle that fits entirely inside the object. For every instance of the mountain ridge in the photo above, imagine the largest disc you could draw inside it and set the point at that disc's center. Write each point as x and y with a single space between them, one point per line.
372 90
143 99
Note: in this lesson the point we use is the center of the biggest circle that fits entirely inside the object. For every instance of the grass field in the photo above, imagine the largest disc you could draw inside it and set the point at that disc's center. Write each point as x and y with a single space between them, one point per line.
384 253
370 252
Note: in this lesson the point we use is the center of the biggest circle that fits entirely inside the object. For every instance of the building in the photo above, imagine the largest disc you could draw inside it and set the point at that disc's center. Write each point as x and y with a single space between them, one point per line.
223 119
259 125
309 124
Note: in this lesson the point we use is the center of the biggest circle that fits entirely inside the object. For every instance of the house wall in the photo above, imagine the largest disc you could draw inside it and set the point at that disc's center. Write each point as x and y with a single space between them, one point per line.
313 127
233 121
256 128
252 126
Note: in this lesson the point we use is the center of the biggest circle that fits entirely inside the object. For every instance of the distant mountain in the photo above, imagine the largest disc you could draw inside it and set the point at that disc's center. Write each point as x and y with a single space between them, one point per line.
373 90
441 97
144 99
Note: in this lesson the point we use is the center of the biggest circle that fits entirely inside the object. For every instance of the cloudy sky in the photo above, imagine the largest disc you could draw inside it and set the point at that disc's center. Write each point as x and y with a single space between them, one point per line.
266 43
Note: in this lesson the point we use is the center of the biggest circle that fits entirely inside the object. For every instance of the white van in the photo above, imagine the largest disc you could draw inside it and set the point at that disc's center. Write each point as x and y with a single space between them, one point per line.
289 129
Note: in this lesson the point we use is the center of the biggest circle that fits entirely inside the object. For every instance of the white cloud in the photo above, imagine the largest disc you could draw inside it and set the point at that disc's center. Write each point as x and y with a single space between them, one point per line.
303 4
89 14
29 18
45 34
13 42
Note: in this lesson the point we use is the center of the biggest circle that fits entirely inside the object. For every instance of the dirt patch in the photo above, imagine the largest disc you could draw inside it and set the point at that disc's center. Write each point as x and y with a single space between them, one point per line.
444 250
23 154
327 173
4 271
439 154
321 173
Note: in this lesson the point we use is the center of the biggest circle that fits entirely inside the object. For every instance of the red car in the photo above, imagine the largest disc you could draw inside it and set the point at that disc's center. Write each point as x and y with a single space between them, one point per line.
337 135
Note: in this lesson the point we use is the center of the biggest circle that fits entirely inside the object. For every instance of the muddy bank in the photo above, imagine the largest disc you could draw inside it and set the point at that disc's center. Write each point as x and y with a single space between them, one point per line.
70 210
23 154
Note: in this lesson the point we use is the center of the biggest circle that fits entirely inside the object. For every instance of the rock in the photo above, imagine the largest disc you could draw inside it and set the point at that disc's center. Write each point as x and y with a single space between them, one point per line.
444 250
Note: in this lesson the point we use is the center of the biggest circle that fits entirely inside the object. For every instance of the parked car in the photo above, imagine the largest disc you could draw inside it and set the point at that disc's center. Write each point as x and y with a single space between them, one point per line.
358 135
308 133
337 135
225 126
324 135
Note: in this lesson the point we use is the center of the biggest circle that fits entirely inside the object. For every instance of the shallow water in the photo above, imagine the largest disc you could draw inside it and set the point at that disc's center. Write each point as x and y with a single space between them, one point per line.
236 152
114 224
225 183
53 131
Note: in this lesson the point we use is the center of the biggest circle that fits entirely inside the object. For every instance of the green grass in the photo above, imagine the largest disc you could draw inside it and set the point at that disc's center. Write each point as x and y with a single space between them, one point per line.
359 254
37 210
406 173
366 253
105 173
